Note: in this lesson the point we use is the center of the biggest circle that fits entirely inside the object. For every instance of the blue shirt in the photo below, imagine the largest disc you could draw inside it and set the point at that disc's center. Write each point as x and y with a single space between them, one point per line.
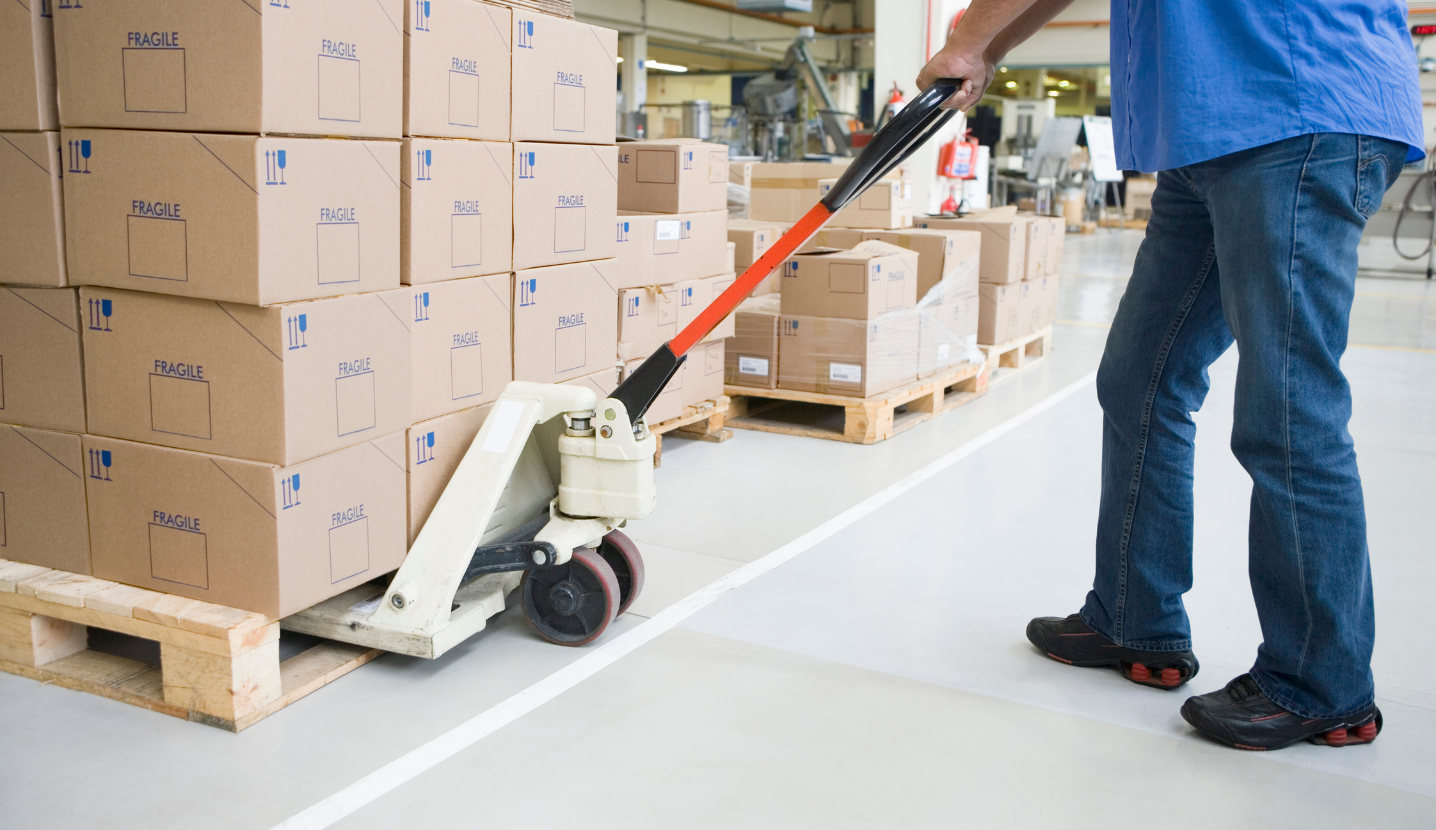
1193 80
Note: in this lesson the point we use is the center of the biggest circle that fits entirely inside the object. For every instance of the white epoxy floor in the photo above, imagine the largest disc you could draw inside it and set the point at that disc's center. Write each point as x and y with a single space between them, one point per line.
878 679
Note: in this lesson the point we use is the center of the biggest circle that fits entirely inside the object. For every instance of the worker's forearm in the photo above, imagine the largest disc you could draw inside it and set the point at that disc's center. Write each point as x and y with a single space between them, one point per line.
994 27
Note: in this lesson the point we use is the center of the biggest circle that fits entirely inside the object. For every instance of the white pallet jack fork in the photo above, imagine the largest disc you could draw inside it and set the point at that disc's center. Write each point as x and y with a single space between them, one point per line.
538 499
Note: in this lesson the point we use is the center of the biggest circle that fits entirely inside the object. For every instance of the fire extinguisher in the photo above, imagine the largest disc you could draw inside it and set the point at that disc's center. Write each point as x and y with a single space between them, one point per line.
950 206
958 158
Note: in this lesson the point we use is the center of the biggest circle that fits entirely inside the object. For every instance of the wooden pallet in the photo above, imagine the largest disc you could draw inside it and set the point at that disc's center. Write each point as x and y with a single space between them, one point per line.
218 666
703 421
863 420
1005 359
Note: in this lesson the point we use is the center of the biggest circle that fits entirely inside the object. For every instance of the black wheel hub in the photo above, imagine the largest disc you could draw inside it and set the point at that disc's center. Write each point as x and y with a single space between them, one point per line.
566 597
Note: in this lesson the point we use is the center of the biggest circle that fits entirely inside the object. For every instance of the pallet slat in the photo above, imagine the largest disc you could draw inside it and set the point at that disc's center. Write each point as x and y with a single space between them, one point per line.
218 665
1005 359
704 421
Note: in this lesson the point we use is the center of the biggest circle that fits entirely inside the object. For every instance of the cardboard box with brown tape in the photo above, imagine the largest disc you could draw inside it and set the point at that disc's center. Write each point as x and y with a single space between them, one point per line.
1004 243
565 203
42 378
462 346
885 205
999 316
42 499
859 358
651 316
785 191
320 67
942 255
751 354
27 67
565 321
457 64
832 239
266 538
281 384
664 248
32 214
672 175
565 85
239 218
870 280
458 213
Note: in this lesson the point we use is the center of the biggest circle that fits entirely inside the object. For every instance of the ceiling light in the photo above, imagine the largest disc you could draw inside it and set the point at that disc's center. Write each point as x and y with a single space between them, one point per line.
1052 93
1002 69
1012 85
1064 84
667 67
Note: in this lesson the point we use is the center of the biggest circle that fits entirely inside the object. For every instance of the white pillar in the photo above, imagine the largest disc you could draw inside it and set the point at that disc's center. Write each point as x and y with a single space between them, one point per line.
634 51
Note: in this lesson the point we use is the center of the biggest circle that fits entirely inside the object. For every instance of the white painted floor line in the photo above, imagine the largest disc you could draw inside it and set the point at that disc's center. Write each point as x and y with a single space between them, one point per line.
409 766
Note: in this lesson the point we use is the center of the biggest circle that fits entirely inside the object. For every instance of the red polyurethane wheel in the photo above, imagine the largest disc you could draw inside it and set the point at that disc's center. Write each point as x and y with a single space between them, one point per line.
622 555
573 603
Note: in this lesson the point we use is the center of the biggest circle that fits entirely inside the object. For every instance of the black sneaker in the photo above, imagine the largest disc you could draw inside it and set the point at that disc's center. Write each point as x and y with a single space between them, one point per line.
1241 715
1070 641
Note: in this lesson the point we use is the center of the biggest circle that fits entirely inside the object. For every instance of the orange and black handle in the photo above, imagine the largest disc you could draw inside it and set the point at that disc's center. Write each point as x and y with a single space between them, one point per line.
891 146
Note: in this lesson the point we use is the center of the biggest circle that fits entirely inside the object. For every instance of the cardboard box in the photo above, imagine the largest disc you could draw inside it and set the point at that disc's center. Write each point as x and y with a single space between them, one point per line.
564 321
280 384
42 378
847 357
730 257
32 214
27 67
1039 303
705 374
751 354
1056 244
942 255
564 79
1004 244
887 204
602 382
457 60
320 67
664 248
751 239
696 295
238 218
42 499
672 175
265 538
435 449
872 279
457 209
740 172
999 315
947 333
785 191
462 347
1038 235
649 317
565 199
670 402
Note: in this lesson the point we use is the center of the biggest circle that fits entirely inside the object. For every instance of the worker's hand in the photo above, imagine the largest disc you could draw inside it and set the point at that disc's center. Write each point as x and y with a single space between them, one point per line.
975 70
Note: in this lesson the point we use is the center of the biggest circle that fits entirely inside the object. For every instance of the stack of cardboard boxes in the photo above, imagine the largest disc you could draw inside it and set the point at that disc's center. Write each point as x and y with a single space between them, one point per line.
251 364
672 260
1021 262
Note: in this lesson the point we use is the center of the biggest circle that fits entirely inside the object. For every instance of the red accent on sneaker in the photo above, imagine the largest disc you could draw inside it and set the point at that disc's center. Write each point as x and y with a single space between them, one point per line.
1058 659
1171 677
1367 732
1088 634
1250 748
1271 717
1140 673
1336 737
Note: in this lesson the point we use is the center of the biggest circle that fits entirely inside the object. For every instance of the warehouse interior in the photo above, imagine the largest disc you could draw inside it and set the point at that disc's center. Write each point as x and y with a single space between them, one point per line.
240 290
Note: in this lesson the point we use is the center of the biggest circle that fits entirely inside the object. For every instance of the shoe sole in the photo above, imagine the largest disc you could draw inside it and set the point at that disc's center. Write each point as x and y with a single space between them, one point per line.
1341 736
1165 677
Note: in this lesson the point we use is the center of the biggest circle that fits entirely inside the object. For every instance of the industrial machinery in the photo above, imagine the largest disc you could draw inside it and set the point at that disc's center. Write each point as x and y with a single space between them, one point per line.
775 106
538 499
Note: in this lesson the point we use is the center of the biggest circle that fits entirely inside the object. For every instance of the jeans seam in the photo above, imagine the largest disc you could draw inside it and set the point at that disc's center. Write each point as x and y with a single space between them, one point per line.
1119 624
1286 407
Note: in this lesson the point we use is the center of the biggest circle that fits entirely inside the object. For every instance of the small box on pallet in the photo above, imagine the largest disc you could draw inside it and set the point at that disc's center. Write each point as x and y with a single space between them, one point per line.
565 203
1004 243
42 499
847 357
564 80
462 344
458 212
751 239
947 330
32 214
999 313
672 175
280 384
42 379
870 280
751 354
942 255
887 204
238 218
27 68
784 191
457 64
261 537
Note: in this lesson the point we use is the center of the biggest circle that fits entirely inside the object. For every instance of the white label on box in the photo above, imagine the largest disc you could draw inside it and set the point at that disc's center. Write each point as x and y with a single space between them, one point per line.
942 351
753 366
501 425
666 230
845 372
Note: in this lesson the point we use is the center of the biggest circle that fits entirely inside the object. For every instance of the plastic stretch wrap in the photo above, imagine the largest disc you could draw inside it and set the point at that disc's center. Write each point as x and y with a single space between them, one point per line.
861 358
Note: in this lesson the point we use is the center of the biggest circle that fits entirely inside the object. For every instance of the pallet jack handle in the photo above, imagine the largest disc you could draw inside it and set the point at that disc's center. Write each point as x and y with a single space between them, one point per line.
891 146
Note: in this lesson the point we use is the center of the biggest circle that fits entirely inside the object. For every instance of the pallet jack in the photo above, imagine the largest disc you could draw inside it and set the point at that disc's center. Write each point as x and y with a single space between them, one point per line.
538 500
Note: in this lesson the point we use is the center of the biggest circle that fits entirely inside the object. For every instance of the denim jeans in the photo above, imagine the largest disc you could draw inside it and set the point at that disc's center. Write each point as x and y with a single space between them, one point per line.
1257 248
